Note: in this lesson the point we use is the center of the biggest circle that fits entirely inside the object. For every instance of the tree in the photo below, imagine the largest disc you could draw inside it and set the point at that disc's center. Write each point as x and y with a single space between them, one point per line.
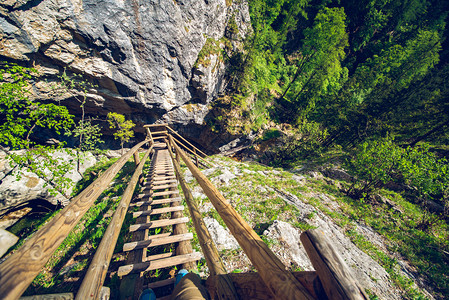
124 132
21 117
319 69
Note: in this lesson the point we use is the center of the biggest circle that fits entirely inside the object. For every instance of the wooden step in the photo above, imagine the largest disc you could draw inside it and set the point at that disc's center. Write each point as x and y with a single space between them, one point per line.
164 186
158 182
158 241
158 264
158 223
165 193
162 178
157 201
157 211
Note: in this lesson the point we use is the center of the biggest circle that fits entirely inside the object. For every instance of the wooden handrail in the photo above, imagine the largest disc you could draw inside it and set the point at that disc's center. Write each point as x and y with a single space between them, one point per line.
19 270
335 276
191 151
186 141
282 284
225 288
96 274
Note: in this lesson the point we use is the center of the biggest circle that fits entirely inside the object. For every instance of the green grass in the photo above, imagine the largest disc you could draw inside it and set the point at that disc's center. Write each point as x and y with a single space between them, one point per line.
401 226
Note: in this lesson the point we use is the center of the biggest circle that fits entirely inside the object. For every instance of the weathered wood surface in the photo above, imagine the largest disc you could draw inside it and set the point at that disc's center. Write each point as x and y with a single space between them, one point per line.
225 289
282 284
96 274
62 296
158 223
175 238
250 286
333 272
158 211
155 125
19 270
159 264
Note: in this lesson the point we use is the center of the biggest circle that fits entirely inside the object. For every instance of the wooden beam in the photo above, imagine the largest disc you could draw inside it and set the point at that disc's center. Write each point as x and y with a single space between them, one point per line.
19 270
96 274
155 125
225 289
159 264
251 286
333 272
158 241
157 223
282 284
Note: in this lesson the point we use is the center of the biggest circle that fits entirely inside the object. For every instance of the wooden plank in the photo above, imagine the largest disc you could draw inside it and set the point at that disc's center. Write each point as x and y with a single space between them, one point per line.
163 187
281 283
162 178
155 125
158 241
159 256
61 296
158 211
225 289
158 264
96 274
251 286
19 270
166 193
157 201
160 182
158 223
337 279
159 132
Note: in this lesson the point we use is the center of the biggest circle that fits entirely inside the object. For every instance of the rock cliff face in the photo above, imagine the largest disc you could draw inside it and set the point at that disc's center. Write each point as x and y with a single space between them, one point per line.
141 54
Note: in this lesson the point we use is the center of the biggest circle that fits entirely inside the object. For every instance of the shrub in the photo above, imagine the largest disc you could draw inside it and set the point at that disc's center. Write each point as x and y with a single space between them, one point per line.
378 162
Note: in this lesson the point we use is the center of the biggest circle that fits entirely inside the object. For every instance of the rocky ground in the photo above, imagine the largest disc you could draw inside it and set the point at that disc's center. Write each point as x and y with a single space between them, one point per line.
279 205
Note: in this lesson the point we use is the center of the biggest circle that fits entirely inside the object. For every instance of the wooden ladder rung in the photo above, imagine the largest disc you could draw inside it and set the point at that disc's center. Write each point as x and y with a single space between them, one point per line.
158 264
157 211
163 186
166 193
157 201
158 241
162 178
160 182
158 223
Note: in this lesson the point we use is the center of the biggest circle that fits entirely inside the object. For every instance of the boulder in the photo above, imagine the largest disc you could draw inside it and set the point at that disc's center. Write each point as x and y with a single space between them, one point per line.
7 240
220 235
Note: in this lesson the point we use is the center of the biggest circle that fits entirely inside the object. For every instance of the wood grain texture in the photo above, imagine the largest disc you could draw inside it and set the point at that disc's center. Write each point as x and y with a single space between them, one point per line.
251 286
338 281
282 284
225 289
96 274
159 264
158 241
19 270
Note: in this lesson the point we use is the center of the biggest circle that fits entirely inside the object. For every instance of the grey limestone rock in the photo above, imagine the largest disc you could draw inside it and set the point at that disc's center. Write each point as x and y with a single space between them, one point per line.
7 240
221 236
141 54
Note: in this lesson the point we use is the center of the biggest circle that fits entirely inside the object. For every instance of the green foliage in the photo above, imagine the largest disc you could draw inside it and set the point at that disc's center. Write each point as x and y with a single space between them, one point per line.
378 162
302 142
124 127
89 134
21 118
211 47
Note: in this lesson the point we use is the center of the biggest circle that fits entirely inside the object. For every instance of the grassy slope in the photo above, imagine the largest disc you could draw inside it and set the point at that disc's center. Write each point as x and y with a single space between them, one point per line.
423 248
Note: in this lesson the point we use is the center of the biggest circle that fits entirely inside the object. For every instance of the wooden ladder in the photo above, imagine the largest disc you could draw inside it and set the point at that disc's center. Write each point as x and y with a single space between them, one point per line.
159 207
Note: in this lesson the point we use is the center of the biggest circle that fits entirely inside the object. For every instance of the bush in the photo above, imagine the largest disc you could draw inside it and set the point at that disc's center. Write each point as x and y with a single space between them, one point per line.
378 162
